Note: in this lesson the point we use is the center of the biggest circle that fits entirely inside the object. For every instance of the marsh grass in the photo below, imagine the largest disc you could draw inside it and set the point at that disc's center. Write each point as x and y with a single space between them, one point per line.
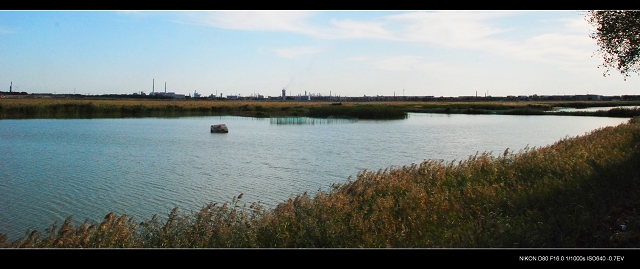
78 108
26 108
101 108
575 193
614 112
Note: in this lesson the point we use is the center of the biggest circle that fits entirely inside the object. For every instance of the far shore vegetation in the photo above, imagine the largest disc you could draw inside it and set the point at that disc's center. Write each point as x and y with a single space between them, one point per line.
580 192
30 108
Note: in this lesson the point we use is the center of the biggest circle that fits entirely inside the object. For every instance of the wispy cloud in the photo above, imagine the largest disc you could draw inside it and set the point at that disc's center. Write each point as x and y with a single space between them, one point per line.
471 30
567 46
450 29
357 29
409 63
295 52
288 21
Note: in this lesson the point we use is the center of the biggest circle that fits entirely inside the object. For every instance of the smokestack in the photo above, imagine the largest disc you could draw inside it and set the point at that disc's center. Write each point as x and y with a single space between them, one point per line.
165 87
153 88
10 87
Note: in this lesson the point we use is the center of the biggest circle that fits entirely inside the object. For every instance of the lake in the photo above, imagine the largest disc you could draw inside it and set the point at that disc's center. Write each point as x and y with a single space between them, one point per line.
53 168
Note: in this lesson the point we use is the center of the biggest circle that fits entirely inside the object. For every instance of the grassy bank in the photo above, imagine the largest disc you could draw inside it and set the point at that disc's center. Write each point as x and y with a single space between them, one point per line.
615 112
527 108
75 108
576 193
29 108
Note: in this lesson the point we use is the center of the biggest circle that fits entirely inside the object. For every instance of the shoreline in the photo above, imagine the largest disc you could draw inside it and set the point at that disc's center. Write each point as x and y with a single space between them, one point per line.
66 108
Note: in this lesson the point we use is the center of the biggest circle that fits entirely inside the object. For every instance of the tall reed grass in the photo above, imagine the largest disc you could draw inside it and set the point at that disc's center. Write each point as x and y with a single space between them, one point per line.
22 108
614 112
104 108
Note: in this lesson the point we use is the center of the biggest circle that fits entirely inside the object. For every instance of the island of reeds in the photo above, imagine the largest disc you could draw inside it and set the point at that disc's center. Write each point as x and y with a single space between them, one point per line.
29 108
79 108
580 192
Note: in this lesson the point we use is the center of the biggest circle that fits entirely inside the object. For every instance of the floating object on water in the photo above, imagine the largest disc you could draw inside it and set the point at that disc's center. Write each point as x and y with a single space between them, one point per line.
219 128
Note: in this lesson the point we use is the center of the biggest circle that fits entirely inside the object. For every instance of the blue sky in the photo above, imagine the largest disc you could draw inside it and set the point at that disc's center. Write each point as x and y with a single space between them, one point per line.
347 53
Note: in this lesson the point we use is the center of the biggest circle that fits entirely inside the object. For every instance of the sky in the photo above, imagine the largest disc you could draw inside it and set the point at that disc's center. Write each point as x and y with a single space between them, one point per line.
342 53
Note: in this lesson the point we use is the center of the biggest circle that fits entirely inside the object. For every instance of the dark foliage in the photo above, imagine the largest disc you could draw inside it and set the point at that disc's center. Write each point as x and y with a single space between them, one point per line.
618 35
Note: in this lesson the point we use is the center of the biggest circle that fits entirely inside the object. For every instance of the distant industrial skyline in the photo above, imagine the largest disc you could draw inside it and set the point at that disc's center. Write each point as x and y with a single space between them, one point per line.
346 53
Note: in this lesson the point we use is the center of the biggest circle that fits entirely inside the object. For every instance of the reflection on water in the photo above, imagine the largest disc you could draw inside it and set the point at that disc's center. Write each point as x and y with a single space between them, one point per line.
311 121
